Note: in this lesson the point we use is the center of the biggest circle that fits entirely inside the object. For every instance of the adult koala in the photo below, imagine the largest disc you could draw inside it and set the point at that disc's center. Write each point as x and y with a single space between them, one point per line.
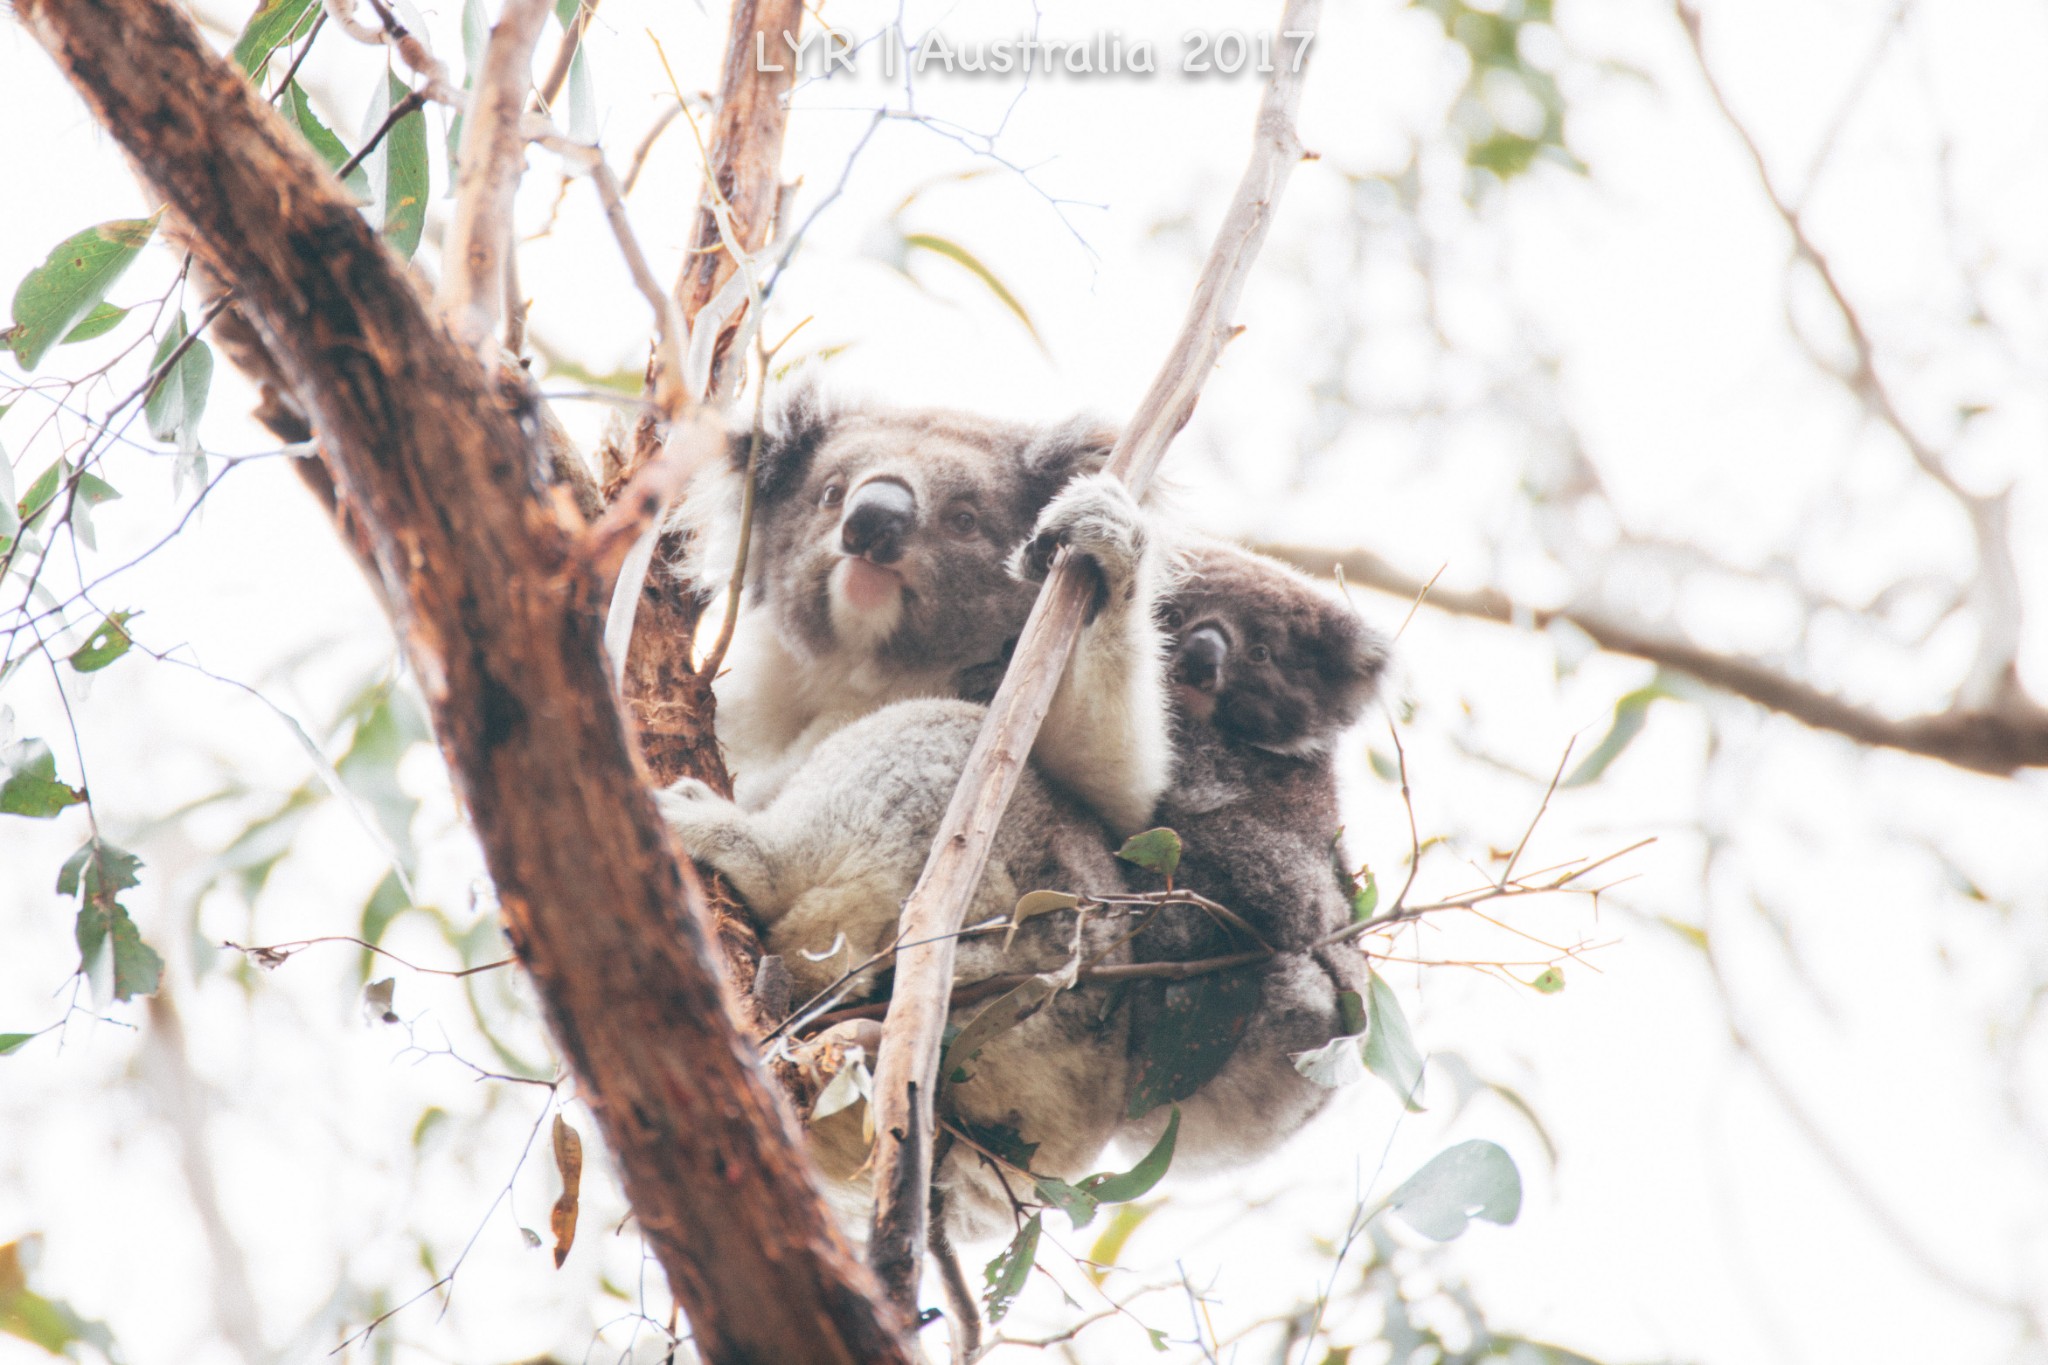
886 565
1267 672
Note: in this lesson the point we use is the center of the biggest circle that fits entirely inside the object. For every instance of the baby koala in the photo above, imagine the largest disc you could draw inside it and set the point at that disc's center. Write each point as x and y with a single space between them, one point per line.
1266 671
825 867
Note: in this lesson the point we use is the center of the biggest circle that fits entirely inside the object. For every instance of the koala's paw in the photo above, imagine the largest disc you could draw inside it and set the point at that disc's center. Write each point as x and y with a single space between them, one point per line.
688 804
1097 518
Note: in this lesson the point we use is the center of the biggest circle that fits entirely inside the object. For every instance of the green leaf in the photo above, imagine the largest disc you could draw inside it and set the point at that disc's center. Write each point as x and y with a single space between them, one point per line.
1550 982
1630 713
1139 1180
32 788
48 491
1156 850
1184 1031
1474 1179
298 112
1005 1275
99 868
272 26
49 1323
1361 888
1032 904
1384 768
968 261
61 293
106 644
1390 1052
110 949
102 319
1077 1205
178 399
406 182
14 1042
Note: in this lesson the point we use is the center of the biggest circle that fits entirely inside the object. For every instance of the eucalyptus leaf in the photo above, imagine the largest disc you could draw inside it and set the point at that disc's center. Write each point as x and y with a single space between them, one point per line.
406 185
14 1042
1076 1204
1550 981
112 954
31 787
1006 1274
298 111
101 320
272 26
1390 1051
1156 850
178 399
1474 1179
1033 904
62 292
972 264
1139 1180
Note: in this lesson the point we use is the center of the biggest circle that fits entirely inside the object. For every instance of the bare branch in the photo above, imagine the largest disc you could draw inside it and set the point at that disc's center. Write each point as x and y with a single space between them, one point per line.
1993 678
907 1072
1998 740
492 158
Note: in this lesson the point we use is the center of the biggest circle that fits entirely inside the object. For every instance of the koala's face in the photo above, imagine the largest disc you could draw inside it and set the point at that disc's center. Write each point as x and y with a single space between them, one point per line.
884 534
1263 657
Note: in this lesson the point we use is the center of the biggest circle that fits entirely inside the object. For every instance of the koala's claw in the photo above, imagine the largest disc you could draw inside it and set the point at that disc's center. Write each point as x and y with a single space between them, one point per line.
1094 516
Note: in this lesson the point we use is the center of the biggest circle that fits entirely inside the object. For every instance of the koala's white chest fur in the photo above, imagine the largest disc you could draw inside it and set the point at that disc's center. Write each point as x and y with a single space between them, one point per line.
775 705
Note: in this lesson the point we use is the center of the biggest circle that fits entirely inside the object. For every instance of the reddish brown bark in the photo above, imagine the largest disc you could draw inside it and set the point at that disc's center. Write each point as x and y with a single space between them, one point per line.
436 467
671 703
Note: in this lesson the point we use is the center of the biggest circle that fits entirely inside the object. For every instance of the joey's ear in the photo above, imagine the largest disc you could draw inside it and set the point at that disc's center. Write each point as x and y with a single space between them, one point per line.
794 425
1350 656
1053 457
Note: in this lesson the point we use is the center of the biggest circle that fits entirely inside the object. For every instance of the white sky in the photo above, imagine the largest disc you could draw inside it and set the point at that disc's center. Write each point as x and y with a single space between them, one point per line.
1687 1216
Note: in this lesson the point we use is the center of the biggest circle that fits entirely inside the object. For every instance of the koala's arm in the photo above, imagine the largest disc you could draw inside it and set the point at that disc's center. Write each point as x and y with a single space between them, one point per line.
1106 737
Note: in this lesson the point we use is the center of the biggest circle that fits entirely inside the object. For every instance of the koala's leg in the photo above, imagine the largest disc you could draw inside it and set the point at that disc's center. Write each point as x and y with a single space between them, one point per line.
1106 737
720 835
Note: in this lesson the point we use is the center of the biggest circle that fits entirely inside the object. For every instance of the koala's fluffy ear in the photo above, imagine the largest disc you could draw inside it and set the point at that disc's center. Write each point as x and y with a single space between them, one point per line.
1054 457
1350 656
795 423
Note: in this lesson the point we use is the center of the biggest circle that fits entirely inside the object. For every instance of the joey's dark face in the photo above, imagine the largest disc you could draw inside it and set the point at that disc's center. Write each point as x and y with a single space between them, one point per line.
1263 657
885 535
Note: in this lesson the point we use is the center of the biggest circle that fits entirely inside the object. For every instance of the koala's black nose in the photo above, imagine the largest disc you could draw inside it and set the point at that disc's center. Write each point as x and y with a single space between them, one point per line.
1200 664
877 516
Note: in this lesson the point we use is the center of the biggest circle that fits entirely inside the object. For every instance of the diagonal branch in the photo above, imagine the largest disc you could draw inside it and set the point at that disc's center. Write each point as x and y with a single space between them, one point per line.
480 575
907 1073
1999 740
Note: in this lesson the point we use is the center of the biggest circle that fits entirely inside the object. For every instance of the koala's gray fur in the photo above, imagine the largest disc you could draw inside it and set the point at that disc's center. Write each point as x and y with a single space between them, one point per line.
947 589
826 864
1267 671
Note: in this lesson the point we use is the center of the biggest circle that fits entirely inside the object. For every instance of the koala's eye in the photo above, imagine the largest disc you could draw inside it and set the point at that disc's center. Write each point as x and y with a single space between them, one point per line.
1172 618
833 495
1259 654
962 521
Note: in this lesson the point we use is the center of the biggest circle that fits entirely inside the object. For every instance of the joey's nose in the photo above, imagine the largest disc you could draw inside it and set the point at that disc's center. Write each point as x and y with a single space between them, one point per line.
1200 665
878 515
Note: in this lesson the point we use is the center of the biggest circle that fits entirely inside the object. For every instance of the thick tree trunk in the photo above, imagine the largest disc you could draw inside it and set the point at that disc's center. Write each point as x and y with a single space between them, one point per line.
496 615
